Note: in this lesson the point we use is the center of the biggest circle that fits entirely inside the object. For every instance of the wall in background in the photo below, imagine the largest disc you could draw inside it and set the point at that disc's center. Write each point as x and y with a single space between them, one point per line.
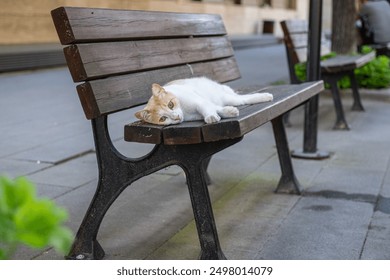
29 21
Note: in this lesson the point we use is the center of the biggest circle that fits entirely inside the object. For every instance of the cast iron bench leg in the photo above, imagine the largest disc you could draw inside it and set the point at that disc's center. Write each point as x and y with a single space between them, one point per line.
206 163
286 119
288 183
193 160
85 245
203 213
341 123
116 173
357 103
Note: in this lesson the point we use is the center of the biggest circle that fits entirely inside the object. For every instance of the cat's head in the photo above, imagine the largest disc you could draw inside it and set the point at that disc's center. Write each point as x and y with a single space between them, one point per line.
163 108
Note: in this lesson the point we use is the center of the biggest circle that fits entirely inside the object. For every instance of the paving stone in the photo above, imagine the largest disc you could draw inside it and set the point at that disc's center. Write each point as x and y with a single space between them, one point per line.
275 56
55 152
319 228
16 168
246 216
51 191
72 173
348 180
385 190
377 243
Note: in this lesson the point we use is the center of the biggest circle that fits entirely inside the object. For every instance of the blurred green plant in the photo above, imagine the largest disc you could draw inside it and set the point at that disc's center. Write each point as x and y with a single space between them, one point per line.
28 220
373 75
300 68
376 73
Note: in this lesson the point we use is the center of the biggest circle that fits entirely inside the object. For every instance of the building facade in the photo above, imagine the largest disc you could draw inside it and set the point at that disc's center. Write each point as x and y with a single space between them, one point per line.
29 22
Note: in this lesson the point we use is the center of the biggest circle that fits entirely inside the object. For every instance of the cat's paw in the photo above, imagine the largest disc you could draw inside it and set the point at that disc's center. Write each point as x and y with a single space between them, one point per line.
262 97
229 112
212 118
268 96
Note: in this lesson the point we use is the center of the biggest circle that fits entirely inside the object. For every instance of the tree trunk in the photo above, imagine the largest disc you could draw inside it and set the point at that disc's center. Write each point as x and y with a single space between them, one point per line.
343 26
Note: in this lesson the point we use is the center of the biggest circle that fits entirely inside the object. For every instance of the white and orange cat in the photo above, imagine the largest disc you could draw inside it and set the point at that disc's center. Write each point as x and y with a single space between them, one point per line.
195 99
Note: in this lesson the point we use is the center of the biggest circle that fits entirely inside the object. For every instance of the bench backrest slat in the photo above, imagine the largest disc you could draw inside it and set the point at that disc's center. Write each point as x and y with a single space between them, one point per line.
296 40
75 25
129 90
119 54
91 61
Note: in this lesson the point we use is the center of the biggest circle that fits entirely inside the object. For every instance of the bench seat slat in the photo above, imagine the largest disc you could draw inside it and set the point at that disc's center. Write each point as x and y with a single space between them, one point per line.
251 117
345 63
91 61
75 25
104 96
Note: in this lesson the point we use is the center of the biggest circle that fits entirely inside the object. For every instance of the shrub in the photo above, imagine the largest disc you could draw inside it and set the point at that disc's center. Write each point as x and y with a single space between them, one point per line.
300 68
28 220
373 75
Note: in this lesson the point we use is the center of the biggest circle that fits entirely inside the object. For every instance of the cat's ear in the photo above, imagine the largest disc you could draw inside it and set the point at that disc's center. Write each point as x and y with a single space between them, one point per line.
143 115
158 90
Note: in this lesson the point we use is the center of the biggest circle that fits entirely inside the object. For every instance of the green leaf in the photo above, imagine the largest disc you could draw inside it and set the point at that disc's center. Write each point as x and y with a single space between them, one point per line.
36 220
3 255
61 239
15 193
25 219
375 74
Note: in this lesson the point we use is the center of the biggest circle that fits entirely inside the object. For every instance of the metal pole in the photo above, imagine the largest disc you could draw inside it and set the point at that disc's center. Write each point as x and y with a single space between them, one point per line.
313 74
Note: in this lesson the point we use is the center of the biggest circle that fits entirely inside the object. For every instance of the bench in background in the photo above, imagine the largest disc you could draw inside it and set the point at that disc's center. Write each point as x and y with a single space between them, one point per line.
332 69
115 56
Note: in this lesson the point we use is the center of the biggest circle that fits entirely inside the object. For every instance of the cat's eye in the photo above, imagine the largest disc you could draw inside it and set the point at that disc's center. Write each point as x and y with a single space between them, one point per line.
171 105
163 119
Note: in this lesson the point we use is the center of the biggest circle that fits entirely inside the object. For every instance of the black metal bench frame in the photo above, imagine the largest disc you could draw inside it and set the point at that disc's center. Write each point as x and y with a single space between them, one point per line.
189 145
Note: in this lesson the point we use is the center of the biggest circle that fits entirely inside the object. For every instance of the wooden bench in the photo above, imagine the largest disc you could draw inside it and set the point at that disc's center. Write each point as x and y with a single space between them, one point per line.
117 55
332 69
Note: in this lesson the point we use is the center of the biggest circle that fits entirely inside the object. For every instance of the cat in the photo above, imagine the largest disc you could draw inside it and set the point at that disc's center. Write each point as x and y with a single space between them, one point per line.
195 99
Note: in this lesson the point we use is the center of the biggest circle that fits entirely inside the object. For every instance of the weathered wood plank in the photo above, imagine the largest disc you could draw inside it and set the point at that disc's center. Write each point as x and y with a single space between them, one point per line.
75 25
143 133
296 26
251 117
185 133
345 63
112 94
91 61
301 53
300 40
296 39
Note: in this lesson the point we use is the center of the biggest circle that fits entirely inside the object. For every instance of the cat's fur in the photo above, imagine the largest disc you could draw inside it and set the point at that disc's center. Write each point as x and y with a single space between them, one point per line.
195 99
